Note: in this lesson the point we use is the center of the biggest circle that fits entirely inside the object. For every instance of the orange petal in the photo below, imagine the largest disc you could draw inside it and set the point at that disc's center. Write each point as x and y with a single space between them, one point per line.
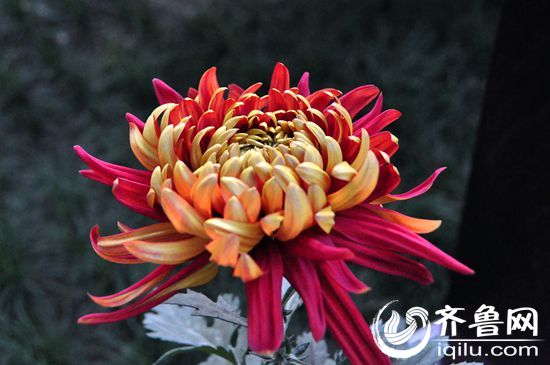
203 193
224 250
249 233
417 225
252 203
127 295
271 222
182 215
184 179
247 269
234 210
272 196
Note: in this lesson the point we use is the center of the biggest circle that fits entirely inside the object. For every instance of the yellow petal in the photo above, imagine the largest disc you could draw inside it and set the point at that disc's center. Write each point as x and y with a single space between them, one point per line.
313 155
362 153
231 168
317 197
167 253
263 170
343 171
232 186
210 154
181 214
311 173
248 176
297 213
318 133
200 277
196 152
333 154
325 219
284 176
143 150
249 233
153 231
359 188
166 153
345 114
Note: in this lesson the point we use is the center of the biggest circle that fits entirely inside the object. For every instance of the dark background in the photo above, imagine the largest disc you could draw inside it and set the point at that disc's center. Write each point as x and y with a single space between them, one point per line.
69 70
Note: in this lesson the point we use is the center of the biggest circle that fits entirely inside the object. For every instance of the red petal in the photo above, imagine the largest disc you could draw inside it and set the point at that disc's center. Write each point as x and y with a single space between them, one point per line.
303 277
208 119
388 180
303 84
320 98
376 109
358 98
314 247
280 79
263 295
414 192
252 88
339 272
155 297
386 261
130 293
192 93
349 328
92 175
208 85
366 228
384 141
235 91
131 118
129 194
165 94
382 120
276 101
119 258
110 172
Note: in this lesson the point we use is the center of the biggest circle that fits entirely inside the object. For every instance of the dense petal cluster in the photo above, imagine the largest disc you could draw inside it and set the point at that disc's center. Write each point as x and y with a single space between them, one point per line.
288 184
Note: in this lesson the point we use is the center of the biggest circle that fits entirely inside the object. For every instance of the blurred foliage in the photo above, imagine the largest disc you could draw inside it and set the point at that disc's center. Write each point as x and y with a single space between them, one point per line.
69 70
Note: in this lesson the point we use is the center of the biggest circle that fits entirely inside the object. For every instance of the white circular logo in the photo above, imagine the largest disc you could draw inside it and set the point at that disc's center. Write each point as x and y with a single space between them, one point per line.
395 343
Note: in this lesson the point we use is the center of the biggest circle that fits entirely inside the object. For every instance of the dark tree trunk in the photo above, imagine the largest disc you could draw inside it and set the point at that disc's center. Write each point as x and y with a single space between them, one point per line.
505 233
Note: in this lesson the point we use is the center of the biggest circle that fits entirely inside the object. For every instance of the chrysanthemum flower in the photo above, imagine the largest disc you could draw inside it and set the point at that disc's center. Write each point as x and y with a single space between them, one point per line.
290 184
